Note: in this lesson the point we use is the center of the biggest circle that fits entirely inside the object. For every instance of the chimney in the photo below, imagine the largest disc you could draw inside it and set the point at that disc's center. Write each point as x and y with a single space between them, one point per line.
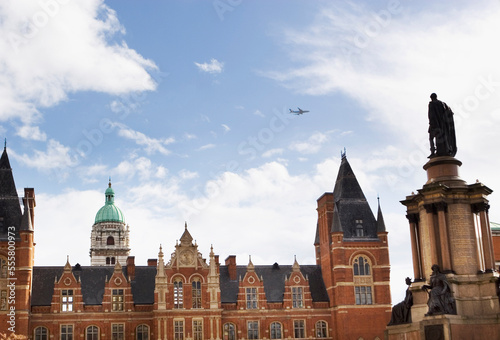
152 262
231 266
131 267
29 201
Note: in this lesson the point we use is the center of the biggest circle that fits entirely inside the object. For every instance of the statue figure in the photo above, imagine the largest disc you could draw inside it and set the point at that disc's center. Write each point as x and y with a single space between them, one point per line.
441 129
401 313
440 300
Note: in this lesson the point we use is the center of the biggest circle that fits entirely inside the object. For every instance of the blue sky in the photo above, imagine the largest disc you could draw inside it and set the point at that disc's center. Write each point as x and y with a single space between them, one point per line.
184 104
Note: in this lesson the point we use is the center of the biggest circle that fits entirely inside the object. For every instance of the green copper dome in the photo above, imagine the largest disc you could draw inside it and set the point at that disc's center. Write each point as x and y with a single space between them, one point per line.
109 212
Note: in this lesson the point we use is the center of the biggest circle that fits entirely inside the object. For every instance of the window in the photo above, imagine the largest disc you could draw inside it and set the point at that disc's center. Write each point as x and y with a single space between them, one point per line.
229 332
275 330
361 266
360 231
92 333
3 299
321 329
298 329
196 293
117 300
178 296
251 298
41 333
110 241
117 331
66 332
197 330
142 332
363 295
67 300
253 330
297 297
179 330
3 268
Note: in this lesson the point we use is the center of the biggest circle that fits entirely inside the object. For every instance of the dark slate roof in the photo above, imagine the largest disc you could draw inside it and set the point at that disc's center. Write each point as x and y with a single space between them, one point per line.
380 220
351 205
93 280
274 282
10 209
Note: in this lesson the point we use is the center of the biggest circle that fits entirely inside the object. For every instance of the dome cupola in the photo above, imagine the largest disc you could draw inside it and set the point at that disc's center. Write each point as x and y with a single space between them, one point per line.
109 212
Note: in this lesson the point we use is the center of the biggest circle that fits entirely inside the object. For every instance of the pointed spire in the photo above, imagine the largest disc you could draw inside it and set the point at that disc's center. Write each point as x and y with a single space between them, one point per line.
250 266
26 219
295 267
351 214
67 266
380 218
186 238
118 267
160 269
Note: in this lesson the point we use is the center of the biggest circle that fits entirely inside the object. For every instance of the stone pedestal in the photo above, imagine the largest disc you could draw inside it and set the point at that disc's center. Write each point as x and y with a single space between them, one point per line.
449 226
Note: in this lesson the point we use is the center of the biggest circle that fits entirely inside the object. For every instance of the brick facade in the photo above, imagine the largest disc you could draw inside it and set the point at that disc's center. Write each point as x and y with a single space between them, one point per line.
345 295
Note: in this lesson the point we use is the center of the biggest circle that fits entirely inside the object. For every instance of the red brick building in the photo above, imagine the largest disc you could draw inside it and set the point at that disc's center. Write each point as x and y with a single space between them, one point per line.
345 295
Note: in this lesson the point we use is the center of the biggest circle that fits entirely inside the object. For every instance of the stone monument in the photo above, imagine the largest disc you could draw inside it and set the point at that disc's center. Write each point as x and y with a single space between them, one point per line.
454 291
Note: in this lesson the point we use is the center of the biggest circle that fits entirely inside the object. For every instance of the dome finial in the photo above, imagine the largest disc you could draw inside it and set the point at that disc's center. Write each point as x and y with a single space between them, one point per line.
109 184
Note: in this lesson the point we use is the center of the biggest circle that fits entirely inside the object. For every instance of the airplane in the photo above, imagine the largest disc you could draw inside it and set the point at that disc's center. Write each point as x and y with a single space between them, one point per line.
299 112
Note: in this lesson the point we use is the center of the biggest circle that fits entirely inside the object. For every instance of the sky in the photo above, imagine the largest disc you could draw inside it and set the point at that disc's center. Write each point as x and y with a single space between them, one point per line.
185 106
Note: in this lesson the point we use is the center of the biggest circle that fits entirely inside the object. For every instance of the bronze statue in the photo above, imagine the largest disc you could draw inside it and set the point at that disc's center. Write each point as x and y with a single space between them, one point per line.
441 300
441 129
401 313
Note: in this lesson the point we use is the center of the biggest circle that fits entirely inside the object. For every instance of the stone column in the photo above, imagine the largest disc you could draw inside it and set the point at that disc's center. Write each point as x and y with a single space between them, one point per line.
415 246
486 241
443 237
429 209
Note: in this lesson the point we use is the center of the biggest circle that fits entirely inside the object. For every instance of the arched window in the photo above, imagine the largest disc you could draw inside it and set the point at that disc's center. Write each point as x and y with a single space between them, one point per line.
178 294
108 260
361 266
229 331
92 333
276 330
142 332
113 260
321 329
41 333
196 293
110 241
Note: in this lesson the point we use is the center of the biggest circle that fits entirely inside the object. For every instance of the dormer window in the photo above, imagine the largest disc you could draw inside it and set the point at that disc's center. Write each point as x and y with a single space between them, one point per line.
360 231
251 294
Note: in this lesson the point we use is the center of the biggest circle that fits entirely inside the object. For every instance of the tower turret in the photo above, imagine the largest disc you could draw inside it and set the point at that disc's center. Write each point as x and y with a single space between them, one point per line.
109 240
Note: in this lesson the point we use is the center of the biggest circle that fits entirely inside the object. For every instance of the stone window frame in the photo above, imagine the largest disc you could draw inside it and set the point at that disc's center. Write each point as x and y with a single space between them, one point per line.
252 297
274 330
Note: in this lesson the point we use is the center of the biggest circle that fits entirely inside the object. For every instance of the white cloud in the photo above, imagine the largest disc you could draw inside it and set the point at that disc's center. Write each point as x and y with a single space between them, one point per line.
272 152
57 156
49 51
206 147
31 132
392 69
213 67
258 113
311 145
151 145
226 128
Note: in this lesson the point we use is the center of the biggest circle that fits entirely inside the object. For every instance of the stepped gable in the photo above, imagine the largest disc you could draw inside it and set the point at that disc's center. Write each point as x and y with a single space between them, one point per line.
352 214
10 208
